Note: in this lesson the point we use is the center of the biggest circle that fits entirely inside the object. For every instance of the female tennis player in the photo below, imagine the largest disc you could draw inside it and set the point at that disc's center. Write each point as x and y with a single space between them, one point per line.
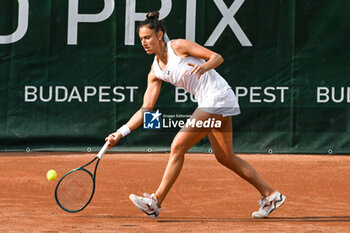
186 64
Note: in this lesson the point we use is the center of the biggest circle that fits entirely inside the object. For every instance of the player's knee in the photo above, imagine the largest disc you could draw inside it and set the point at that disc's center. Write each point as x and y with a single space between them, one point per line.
226 159
177 149
222 160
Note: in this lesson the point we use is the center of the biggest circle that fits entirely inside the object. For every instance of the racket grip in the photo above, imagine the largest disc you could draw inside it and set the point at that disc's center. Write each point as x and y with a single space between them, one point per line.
103 150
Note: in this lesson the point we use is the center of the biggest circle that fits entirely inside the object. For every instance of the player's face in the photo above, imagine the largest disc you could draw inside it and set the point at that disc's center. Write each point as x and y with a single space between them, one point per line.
149 39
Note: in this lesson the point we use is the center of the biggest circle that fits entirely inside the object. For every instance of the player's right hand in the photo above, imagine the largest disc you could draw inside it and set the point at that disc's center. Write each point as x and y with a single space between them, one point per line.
113 138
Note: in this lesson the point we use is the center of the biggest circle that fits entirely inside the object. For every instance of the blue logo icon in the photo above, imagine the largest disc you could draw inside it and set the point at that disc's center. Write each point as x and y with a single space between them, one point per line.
151 120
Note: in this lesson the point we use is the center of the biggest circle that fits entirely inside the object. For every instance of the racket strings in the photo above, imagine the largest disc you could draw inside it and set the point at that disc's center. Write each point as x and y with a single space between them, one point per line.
75 190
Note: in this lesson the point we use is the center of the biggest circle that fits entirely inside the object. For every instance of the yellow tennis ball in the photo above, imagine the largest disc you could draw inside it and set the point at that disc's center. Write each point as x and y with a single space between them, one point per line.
51 175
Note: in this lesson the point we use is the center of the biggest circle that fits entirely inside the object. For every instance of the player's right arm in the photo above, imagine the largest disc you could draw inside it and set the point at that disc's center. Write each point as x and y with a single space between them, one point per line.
149 100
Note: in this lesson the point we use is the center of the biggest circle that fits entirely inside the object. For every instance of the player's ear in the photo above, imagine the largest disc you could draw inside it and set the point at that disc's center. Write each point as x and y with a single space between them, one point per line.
160 35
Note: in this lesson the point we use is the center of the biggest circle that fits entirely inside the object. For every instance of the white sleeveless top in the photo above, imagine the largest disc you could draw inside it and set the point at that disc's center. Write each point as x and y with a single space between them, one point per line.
209 85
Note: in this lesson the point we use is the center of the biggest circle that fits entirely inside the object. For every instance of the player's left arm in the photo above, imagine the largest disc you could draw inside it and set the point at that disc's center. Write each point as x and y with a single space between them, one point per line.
185 48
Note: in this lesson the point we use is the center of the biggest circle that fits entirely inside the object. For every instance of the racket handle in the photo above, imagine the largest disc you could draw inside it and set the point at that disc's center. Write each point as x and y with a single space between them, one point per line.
103 150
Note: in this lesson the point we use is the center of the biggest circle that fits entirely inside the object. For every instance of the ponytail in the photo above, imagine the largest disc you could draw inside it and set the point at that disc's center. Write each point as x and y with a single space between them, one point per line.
153 15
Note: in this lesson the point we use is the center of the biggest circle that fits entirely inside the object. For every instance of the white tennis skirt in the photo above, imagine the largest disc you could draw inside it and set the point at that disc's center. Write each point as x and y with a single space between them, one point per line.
222 102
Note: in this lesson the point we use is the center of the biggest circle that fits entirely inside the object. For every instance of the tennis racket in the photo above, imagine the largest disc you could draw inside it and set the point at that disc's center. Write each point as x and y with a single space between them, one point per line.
76 188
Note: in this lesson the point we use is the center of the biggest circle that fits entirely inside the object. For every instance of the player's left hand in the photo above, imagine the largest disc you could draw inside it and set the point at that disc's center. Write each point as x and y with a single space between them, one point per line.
197 70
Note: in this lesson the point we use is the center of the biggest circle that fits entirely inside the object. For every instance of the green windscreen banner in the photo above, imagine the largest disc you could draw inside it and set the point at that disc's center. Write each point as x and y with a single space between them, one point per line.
73 71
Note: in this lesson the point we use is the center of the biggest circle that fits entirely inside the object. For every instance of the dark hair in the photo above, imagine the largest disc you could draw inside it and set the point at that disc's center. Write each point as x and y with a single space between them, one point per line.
152 22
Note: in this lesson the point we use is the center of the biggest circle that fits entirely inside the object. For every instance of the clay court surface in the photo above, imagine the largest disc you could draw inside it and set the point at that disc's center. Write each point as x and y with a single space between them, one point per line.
206 198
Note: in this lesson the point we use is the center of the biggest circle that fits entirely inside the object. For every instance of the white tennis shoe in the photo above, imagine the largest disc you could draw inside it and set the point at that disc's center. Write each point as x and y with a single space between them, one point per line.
148 204
269 204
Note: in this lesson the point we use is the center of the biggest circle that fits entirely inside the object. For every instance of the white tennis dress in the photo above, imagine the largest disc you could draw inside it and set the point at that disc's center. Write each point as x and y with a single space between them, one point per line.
211 90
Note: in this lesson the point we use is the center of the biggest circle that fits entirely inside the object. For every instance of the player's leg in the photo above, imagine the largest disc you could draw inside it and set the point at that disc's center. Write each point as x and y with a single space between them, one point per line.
183 141
221 142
